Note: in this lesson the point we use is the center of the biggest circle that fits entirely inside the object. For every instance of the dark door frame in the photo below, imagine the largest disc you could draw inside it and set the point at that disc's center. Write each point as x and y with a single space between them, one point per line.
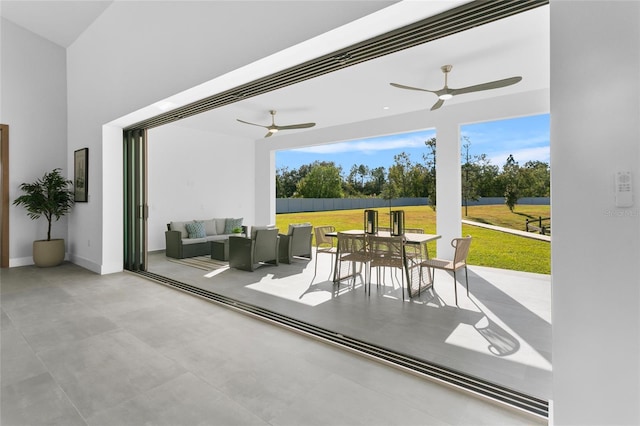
4 207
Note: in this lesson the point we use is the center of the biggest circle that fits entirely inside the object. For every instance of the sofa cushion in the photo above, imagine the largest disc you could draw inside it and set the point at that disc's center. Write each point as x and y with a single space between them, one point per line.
179 226
220 222
195 229
216 237
188 241
230 224
209 226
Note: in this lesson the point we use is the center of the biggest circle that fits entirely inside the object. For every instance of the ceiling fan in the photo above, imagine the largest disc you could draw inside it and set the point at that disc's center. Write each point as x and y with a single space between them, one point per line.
447 93
273 128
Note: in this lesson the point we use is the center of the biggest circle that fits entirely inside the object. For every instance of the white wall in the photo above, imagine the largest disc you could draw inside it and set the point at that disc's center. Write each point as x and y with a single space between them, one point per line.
595 131
34 105
197 175
138 53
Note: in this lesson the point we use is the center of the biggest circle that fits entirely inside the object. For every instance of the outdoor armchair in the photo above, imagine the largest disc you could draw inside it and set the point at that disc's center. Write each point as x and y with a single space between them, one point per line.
260 248
297 242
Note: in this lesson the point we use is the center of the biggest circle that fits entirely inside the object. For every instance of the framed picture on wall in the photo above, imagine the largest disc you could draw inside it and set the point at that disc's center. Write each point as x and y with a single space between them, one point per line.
81 175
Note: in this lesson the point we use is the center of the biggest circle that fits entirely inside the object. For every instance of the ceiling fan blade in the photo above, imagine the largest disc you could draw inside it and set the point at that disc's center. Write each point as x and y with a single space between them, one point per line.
402 86
296 126
273 128
437 104
487 86
253 124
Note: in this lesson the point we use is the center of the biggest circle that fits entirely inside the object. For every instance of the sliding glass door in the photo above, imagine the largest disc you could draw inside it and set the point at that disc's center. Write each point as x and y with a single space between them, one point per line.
135 200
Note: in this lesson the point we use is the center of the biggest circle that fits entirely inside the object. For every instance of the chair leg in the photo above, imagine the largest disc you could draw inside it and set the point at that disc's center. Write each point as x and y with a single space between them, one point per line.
466 276
315 269
336 269
455 286
333 265
432 271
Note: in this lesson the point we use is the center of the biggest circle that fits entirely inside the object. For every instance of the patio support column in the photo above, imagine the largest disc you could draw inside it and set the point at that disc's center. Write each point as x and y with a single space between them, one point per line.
448 194
265 184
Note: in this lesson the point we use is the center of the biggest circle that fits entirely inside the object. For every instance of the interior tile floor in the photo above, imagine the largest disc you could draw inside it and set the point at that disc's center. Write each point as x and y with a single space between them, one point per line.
118 349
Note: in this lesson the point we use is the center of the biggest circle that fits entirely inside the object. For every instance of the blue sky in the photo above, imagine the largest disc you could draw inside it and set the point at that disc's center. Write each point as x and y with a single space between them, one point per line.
527 138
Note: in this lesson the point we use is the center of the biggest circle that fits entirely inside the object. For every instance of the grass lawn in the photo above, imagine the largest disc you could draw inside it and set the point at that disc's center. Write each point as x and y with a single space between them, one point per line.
500 215
488 248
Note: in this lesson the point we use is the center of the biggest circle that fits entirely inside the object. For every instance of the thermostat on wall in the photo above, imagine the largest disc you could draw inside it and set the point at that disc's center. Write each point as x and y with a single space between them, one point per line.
624 190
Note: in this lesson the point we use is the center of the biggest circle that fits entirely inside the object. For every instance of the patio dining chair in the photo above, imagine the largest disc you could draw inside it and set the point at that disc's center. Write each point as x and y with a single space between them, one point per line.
415 251
387 252
352 249
461 246
325 244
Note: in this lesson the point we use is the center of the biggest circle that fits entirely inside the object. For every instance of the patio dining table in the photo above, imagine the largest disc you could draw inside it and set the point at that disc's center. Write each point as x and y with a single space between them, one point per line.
410 239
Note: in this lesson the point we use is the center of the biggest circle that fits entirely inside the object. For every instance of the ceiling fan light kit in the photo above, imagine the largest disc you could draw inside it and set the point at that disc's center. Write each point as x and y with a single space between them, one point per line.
447 93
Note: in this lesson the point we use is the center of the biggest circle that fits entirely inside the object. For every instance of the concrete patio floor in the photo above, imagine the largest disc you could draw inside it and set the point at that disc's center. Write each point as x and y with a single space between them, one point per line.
501 333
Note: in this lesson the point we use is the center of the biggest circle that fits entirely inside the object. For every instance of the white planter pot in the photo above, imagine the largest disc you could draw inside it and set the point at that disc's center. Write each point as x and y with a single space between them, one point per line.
48 253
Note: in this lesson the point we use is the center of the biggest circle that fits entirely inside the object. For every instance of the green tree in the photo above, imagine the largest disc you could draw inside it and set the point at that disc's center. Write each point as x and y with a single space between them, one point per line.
286 182
488 184
378 179
430 177
389 192
351 184
510 177
322 181
363 172
398 174
470 176
417 181
535 179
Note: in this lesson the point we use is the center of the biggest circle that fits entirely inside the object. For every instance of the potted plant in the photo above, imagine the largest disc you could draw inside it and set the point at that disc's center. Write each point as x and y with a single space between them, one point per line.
50 197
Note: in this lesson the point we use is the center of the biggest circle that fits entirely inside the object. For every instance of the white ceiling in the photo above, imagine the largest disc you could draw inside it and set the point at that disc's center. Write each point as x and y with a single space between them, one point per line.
514 46
61 22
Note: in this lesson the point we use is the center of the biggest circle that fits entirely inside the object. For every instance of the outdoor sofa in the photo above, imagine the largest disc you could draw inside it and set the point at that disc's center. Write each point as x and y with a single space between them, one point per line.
193 238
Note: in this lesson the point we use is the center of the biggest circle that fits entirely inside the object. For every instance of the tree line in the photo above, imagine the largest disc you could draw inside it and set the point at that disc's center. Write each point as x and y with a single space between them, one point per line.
407 177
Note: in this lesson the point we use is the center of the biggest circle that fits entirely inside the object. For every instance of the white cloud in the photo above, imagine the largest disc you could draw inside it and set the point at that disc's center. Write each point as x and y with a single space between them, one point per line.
397 142
540 153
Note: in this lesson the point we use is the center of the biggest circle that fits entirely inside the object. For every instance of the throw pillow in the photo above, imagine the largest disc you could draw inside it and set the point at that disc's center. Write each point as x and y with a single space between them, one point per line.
231 223
195 229
209 226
